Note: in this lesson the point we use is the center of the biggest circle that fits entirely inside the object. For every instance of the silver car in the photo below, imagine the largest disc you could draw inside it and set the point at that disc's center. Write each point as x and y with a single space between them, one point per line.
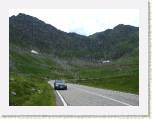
60 85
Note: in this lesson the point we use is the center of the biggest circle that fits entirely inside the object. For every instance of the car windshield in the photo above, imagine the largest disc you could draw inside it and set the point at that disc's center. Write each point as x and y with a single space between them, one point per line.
59 81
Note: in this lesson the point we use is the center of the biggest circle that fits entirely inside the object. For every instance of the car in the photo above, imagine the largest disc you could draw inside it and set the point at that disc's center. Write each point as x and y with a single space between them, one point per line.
60 85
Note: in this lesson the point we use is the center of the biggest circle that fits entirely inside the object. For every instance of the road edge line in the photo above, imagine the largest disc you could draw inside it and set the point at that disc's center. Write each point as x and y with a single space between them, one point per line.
62 99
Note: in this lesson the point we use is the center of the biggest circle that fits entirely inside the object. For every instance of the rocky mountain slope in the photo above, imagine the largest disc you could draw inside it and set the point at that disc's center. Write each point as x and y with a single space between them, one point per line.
29 33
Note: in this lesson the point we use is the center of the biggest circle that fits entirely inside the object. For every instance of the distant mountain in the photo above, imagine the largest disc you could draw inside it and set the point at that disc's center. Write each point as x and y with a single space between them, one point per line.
30 33
117 42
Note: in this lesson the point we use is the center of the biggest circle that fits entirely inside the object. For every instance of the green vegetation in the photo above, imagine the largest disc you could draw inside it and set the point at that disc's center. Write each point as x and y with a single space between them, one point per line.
29 80
25 91
116 76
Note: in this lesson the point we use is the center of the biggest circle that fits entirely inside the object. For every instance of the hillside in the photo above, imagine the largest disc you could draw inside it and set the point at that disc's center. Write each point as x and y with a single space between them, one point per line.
31 33
117 42
40 52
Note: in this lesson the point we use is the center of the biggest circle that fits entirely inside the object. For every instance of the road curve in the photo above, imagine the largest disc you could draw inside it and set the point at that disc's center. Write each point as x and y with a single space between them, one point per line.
80 95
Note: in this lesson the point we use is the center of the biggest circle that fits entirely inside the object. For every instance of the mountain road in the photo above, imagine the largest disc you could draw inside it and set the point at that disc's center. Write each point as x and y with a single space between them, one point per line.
80 95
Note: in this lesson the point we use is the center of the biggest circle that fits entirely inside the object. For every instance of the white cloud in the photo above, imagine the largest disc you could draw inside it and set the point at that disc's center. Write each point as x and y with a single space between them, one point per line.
83 21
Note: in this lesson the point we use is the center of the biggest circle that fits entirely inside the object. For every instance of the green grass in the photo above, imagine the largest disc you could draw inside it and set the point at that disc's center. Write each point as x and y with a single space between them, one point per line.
122 75
29 77
30 91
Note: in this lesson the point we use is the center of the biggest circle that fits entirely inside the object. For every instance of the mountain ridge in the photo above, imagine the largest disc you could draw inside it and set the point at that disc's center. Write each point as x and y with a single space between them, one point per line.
31 33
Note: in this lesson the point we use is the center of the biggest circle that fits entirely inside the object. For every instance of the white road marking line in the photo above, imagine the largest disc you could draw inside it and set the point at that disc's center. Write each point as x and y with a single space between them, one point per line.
104 96
60 96
63 101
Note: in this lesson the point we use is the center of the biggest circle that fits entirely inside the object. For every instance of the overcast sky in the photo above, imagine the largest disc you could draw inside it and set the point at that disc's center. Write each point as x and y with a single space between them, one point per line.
83 21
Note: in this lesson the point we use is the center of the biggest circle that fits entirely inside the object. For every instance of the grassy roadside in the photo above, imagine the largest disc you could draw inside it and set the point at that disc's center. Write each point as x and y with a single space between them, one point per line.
122 75
28 84
28 91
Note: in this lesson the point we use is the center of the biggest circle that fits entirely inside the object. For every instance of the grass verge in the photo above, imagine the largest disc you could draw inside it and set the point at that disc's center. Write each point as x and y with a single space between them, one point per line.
121 76
28 91
28 84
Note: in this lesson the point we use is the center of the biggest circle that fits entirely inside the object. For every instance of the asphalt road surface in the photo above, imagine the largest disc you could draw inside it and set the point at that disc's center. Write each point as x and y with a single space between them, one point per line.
79 95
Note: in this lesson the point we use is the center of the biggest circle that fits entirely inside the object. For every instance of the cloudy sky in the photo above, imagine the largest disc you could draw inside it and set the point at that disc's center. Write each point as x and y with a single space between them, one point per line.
83 21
